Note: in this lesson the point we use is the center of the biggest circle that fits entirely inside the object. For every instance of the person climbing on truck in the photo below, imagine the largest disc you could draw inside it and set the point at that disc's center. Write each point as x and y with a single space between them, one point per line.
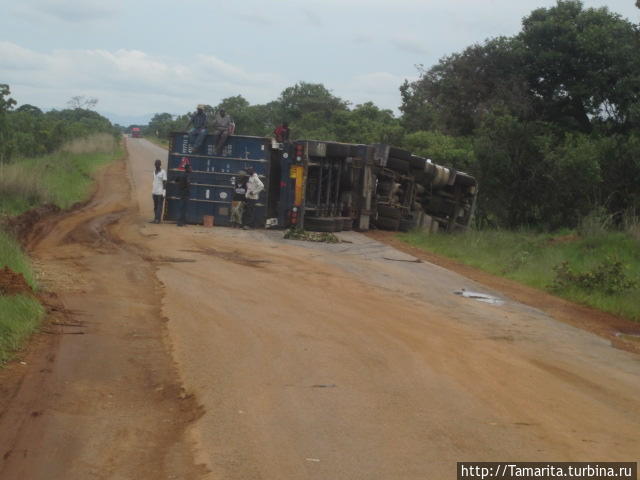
282 133
254 187
222 125
198 132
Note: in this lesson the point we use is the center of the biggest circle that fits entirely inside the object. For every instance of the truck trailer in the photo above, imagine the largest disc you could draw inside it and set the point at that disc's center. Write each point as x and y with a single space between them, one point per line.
323 186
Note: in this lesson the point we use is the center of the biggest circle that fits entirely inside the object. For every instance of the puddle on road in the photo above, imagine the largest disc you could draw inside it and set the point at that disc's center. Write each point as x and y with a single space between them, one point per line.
480 297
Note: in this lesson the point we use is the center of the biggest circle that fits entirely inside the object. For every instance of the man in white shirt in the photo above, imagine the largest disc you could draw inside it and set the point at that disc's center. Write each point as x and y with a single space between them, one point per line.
159 190
254 187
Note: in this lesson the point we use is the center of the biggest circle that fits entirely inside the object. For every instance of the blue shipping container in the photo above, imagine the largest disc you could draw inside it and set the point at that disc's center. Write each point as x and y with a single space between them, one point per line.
213 176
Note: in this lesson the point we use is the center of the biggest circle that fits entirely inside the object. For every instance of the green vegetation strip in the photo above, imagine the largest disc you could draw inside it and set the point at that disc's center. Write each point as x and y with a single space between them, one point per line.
19 314
601 270
62 178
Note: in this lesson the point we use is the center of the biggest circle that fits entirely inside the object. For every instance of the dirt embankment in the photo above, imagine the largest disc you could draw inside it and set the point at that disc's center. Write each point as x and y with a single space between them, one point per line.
623 333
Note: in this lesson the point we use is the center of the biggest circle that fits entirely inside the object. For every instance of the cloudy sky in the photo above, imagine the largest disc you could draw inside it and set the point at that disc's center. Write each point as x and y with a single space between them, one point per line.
147 56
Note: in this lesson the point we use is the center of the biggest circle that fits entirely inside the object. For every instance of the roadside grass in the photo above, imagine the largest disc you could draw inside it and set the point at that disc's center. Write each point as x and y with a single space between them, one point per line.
20 315
63 178
531 258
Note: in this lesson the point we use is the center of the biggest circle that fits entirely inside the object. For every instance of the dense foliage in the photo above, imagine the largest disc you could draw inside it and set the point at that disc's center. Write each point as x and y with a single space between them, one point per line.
27 131
549 117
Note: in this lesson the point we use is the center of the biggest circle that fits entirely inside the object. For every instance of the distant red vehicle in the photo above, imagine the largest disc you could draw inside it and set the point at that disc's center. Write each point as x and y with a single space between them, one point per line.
136 132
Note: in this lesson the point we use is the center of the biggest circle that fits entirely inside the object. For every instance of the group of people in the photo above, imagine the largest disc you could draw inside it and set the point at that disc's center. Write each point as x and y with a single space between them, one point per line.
247 186
247 190
246 193
222 127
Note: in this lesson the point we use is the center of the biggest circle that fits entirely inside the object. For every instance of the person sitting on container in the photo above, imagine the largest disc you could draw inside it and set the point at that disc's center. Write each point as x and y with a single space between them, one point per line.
222 124
282 133
184 190
198 133
237 202
254 187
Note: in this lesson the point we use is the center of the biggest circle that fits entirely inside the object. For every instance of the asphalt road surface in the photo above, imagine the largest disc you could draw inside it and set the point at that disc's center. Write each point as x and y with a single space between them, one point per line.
229 354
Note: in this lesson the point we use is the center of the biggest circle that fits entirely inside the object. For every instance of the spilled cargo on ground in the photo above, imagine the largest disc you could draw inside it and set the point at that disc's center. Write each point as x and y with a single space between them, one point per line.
323 186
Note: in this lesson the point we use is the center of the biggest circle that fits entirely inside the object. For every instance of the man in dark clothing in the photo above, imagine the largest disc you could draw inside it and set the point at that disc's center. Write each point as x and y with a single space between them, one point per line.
184 191
238 201
282 133
199 131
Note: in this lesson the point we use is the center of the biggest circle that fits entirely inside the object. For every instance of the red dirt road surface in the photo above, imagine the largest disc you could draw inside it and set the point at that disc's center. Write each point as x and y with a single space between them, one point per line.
195 353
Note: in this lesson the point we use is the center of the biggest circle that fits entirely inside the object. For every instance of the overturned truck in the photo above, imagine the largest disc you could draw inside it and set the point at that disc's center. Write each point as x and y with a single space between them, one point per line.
325 186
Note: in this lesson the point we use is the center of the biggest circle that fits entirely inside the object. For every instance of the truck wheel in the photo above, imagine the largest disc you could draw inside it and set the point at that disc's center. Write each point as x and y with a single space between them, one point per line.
417 163
389 211
320 224
398 165
407 224
386 223
399 153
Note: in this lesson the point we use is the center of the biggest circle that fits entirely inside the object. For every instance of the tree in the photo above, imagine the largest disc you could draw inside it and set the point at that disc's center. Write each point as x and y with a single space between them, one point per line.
82 102
582 65
456 94
6 135
303 98
161 124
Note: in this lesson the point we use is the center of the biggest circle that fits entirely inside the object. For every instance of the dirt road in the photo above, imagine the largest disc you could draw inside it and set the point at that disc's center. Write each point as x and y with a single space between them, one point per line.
225 354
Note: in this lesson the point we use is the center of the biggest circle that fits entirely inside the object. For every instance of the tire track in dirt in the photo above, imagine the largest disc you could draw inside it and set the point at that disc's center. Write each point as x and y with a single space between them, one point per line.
104 401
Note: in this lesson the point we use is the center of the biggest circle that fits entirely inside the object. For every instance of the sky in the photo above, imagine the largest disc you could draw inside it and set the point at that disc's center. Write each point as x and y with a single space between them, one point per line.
145 57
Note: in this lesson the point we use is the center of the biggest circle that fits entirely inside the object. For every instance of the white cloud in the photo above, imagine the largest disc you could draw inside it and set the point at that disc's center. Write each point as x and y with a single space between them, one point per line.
130 81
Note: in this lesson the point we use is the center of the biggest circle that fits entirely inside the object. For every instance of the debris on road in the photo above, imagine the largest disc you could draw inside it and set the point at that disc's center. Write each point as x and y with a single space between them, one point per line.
298 234
481 297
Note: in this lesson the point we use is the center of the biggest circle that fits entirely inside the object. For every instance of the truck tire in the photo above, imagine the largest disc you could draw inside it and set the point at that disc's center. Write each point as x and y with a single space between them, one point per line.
417 163
347 224
386 223
407 224
320 224
399 153
389 211
398 165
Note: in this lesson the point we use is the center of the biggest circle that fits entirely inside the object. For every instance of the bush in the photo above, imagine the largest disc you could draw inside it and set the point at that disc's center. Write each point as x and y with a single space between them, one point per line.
609 277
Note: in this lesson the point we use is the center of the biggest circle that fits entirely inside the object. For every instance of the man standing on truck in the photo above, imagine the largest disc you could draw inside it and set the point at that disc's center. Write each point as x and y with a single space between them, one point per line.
158 190
198 133
254 187
184 190
222 124
282 133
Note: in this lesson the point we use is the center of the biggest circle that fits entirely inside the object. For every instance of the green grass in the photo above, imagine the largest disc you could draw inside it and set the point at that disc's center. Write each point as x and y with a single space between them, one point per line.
63 178
530 258
12 256
20 315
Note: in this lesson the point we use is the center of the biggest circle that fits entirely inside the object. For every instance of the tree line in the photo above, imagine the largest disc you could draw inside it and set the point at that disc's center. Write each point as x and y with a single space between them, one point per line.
27 131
